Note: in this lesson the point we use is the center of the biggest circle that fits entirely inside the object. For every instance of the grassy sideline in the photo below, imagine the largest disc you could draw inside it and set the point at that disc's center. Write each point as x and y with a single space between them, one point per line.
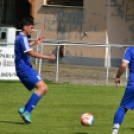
60 110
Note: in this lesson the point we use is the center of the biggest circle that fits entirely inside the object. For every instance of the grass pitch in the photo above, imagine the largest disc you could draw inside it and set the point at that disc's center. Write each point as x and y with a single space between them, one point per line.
59 111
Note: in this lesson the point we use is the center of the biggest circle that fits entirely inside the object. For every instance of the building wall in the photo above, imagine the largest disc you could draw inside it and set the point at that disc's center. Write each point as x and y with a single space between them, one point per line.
107 22
120 21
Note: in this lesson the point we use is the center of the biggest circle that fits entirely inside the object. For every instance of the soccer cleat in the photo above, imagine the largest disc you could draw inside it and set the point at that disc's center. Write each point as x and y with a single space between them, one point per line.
22 110
26 117
115 131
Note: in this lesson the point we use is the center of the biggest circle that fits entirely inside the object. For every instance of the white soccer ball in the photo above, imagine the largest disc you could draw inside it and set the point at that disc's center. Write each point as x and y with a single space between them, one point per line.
87 119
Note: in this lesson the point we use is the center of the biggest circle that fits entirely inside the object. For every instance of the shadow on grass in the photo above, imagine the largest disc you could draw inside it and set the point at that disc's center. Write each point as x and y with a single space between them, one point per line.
81 133
131 129
10 122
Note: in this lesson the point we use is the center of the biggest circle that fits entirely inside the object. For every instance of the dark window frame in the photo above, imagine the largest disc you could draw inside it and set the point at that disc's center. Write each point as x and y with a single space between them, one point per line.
65 2
4 18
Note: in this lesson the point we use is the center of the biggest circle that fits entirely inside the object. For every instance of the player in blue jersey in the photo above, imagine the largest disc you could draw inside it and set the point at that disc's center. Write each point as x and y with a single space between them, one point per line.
127 101
27 75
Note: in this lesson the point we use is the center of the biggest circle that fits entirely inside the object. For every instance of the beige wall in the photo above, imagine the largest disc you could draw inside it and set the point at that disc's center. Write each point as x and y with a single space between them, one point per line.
68 23
121 22
106 21
120 25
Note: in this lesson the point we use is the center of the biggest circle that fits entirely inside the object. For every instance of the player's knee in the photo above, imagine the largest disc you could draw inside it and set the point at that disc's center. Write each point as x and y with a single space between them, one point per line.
44 88
41 88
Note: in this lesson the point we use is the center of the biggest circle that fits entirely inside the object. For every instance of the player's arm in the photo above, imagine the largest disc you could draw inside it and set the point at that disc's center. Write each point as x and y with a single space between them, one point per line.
123 66
38 55
37 41
26 48
121 70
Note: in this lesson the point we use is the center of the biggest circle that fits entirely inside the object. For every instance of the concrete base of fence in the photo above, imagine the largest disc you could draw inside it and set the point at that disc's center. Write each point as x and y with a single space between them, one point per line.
85 61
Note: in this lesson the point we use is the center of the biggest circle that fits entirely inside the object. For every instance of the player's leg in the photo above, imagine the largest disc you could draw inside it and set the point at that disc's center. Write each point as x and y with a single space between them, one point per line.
127 102
36 96
118 118
41 90
30 79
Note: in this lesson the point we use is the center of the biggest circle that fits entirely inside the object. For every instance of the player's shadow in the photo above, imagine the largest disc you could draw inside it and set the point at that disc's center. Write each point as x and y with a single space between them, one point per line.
11 122
131 129
81 133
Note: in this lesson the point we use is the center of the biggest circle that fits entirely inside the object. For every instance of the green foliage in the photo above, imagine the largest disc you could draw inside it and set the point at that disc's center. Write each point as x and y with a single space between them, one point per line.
60 110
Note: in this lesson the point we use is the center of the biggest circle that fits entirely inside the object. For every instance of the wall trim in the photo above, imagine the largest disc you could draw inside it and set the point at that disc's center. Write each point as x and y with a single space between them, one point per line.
62 6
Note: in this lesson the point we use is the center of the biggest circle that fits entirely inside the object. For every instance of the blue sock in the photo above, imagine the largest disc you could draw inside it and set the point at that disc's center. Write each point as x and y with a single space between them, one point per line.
31 104
26 105
118 118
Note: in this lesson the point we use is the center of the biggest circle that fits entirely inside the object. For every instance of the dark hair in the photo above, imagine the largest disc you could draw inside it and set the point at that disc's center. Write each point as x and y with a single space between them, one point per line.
26 22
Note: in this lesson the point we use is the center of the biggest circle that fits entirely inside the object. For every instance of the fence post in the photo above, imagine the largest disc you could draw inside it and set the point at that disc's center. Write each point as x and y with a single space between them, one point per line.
40 60
107 64
36 59
57 63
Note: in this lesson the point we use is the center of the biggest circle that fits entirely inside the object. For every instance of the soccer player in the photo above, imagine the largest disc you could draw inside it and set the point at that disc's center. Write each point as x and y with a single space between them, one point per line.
27 75
127 101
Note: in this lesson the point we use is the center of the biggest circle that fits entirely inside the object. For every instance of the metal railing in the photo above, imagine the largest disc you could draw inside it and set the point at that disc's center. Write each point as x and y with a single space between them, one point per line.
58 44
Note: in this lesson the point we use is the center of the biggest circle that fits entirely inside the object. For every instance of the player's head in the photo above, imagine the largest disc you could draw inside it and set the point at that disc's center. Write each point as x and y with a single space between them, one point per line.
27 26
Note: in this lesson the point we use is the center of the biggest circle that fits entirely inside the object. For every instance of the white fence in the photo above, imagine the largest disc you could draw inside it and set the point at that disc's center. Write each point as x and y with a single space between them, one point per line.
59 43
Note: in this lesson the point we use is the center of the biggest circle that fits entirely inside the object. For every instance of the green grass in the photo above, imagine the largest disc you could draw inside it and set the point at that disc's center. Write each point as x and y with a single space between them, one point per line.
60 110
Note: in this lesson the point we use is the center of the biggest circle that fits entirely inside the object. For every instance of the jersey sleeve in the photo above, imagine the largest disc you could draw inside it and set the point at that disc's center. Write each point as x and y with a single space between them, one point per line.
25 46
127 56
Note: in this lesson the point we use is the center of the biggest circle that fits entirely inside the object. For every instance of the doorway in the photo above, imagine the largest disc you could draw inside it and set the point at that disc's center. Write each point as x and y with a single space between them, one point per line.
23 10
13 11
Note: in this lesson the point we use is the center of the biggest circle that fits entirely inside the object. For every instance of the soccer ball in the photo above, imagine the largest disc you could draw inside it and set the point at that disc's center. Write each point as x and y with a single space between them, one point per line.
87 119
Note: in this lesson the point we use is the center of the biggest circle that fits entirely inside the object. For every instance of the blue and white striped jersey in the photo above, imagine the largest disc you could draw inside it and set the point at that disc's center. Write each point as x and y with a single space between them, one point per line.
22 58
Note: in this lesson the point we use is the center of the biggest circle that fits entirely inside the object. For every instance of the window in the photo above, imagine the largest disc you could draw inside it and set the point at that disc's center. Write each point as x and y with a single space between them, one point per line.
7 12
65 2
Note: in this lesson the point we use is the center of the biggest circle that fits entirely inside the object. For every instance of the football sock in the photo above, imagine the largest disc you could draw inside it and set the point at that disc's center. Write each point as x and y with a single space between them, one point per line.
118 118
26 105
31 104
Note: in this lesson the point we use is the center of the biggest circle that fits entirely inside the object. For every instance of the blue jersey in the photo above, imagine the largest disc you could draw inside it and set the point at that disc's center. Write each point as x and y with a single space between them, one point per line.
22 58
129 58
128 98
